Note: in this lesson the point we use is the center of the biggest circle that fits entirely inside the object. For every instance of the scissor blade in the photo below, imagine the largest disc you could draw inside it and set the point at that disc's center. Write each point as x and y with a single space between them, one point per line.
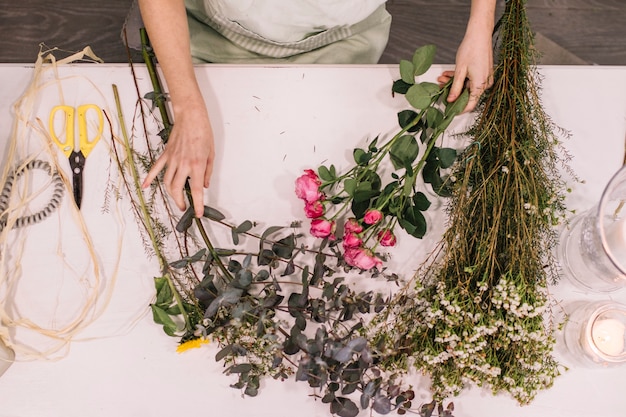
77 187
77 163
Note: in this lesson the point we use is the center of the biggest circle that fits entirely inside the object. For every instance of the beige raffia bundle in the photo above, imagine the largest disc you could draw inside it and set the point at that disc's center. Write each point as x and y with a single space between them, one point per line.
53 283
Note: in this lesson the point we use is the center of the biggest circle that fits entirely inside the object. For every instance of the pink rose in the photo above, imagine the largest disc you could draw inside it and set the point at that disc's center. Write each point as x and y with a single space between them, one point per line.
352 226
372 216
350 240
361 258
322 228
313 209
386 238
307 186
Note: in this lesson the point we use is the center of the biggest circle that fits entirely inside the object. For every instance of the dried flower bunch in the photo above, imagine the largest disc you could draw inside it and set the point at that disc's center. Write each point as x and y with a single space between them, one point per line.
476 312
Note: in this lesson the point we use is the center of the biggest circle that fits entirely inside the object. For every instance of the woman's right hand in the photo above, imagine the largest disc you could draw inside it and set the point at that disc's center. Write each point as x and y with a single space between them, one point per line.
189 154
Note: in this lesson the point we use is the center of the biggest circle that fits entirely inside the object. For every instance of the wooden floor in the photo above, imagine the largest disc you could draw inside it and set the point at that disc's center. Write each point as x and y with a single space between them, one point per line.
586 31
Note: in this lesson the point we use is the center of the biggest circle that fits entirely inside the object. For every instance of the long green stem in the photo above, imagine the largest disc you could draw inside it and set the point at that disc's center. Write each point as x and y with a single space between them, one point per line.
144 209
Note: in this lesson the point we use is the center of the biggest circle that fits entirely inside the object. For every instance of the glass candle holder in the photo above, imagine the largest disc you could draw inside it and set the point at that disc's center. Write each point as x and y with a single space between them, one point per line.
595 333
592 248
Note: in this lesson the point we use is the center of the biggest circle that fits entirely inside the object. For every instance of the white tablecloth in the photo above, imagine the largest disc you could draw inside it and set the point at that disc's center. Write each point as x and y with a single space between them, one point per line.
270 123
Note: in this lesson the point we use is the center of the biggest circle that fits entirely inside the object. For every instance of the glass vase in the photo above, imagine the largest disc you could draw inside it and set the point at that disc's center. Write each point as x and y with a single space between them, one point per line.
592 247
594 333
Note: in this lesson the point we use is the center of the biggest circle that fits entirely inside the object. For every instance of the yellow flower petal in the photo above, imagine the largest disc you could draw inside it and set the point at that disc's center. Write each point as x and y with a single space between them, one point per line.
191 344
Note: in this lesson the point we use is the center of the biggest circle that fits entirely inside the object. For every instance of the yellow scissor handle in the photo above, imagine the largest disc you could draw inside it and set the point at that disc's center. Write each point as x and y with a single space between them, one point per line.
66 145
86 144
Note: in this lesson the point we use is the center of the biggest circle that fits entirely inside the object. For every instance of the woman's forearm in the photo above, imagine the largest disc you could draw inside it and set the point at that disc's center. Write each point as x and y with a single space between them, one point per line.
166 24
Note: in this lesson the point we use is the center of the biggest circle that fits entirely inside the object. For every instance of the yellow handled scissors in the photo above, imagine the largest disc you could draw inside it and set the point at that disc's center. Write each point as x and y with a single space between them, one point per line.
67 144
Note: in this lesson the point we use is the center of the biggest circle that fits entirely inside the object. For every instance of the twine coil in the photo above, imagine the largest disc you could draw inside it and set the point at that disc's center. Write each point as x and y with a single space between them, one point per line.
53 204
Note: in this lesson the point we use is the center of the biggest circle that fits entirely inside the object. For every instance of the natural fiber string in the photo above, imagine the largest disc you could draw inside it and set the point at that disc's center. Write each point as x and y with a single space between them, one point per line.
94 303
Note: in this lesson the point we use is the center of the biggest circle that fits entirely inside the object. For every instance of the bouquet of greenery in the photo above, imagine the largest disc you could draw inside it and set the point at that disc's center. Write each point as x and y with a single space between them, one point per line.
286 308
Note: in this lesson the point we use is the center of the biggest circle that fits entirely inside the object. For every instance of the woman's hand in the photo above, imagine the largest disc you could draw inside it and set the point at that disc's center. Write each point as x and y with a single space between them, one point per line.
474 58
189 154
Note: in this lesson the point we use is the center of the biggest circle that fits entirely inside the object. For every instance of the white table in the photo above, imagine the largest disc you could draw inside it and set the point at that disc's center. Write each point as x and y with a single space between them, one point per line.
270 124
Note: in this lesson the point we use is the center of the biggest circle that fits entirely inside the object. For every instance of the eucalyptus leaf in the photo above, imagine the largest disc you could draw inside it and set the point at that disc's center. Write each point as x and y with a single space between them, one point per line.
284 247
240 368
244 227
423 58
344 407
226 351
381 405
213 214
185 220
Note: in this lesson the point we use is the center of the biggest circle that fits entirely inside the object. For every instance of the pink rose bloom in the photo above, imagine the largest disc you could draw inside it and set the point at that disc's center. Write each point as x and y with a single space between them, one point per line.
350 240
372 216
386 238
322 228
313 209
352 226
361 258
307 186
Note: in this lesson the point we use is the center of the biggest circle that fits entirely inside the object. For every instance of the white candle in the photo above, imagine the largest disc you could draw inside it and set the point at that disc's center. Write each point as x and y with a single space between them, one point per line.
608 336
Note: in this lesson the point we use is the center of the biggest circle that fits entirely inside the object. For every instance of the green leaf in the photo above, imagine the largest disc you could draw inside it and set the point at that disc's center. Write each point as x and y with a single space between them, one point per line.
270 230
420 201
185 220
430 172
344 407
361 157
403 151
400 87
406 117
213 214
161 317
446 156
284 247
419 96
407 71
244 227
349 185
364 191
423 58
227 350
416 219
325 174
165 296
433 117
457 106
240 368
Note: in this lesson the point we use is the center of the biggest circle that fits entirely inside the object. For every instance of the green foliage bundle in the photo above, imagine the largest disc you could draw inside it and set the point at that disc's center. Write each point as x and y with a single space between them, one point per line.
281 308
476 312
